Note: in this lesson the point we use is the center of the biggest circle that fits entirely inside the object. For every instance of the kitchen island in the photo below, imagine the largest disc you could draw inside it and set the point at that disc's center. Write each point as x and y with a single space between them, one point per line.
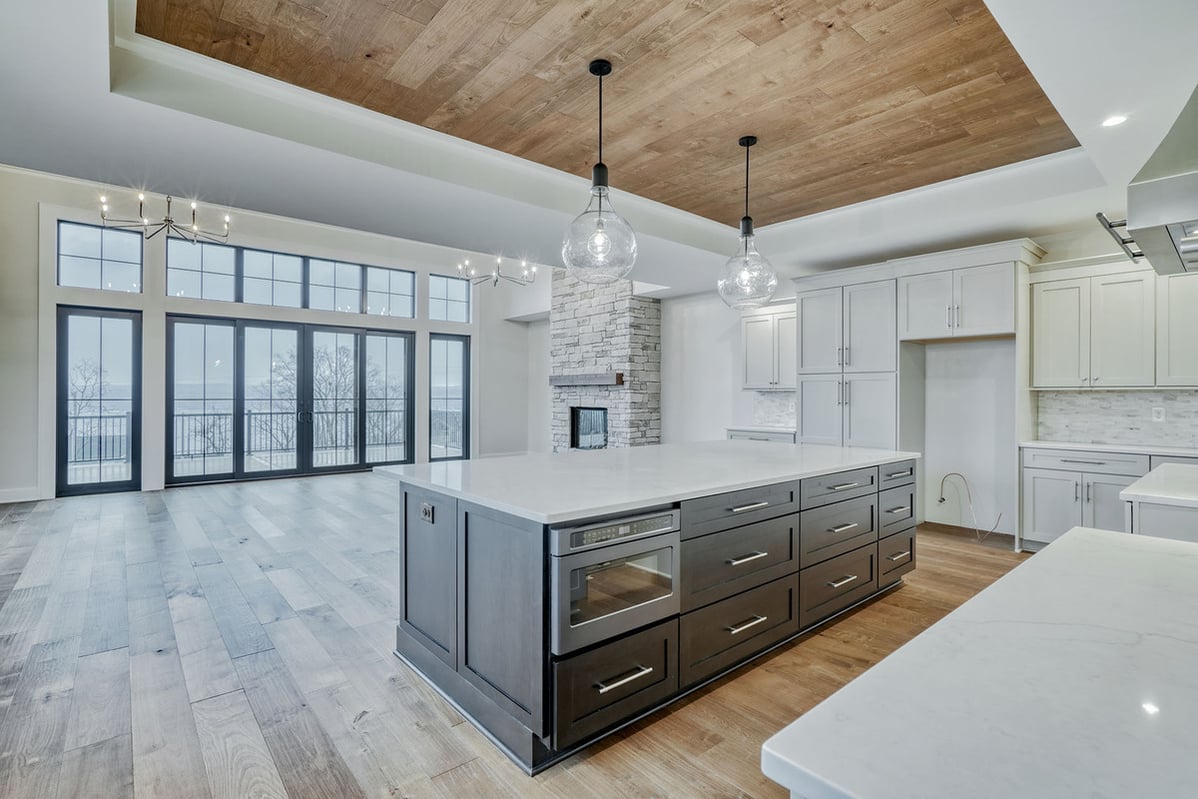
555 598
1163 503
1070 676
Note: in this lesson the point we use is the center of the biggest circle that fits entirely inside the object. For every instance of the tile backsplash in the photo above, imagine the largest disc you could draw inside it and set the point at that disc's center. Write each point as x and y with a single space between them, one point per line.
1119 417
774 408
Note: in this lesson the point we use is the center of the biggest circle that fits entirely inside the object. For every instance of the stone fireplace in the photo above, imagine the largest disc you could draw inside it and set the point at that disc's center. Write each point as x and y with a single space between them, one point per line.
597 333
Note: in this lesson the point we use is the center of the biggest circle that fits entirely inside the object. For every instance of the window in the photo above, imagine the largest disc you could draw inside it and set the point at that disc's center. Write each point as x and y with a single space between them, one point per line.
448 299
92 257
390 292
272 279
388 397
334 286
200 380
200 270
449 388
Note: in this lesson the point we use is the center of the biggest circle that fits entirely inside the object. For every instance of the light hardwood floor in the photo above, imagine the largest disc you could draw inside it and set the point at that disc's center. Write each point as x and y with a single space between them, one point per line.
235 641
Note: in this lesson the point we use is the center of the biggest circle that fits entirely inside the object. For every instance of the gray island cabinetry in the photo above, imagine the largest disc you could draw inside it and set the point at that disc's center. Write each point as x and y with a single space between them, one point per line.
556 598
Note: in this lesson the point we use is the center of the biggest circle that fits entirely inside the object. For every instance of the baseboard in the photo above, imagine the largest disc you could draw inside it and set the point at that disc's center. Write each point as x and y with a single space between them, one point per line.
1006 539
8 495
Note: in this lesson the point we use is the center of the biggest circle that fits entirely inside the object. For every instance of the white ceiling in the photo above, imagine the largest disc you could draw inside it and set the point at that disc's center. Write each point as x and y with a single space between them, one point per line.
84 96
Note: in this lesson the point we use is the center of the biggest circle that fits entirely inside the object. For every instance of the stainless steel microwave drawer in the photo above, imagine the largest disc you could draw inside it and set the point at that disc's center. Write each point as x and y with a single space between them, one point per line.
896 556
735 508
816 491
835 529
896 474
604 686
834 585
718 565
721 635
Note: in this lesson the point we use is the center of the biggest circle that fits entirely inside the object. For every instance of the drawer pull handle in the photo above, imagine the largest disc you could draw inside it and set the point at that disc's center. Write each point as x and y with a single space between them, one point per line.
603 688
753 506
843 581
899 556
746 558
894 475
900 509
843 486
758 438
1088 463
844 528
740 628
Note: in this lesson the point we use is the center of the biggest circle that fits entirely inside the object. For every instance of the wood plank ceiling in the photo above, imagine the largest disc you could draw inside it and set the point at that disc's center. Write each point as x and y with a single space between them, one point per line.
851 99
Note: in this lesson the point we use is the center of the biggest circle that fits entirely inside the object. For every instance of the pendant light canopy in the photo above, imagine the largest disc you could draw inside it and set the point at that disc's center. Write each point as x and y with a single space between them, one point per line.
599 246
747 280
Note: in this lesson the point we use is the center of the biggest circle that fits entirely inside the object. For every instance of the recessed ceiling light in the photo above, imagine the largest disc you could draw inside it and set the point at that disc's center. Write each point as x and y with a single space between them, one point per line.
1150 708
1112 121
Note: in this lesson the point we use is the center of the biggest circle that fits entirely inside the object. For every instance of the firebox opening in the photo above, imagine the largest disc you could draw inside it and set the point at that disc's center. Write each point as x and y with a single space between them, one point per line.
588 428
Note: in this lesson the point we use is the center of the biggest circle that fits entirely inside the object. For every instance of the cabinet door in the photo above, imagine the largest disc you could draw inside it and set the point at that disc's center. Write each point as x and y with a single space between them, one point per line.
870 334
819 404
785 341
870 410
1122 330
1061 334
984 300
1102 507
925 306
1052 503
757 335
428 597
1177 330
819 334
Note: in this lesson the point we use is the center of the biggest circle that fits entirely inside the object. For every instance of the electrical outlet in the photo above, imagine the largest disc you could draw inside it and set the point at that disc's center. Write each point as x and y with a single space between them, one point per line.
1158 414
790 406
426 512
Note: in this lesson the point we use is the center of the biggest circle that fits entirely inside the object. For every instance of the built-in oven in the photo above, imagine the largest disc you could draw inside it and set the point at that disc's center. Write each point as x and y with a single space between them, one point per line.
612 577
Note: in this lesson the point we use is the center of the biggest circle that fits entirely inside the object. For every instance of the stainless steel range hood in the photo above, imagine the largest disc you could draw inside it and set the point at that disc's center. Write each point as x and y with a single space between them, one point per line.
1162 200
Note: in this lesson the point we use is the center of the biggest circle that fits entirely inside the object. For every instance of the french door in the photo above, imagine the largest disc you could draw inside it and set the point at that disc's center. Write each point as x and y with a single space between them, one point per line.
98 401
262 399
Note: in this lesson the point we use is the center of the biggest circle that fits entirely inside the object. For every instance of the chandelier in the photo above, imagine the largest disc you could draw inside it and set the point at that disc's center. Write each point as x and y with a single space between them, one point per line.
527 276
152 227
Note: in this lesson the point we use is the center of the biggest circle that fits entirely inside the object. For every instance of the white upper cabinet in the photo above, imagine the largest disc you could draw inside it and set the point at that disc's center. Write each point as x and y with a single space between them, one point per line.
820 419
870 343
1061 334
976 301
769 339
1177 330
820 344
1122 331
925 306
1094 332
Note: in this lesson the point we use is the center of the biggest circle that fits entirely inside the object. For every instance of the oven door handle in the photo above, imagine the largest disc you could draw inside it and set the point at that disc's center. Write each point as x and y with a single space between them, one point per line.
641 671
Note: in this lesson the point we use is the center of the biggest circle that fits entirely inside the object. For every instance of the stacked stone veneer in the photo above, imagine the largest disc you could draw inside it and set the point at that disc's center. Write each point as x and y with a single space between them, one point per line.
605 328
1119 417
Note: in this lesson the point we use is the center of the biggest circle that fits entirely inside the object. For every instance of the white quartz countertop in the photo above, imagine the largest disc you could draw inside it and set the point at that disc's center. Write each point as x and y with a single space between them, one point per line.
1143 449
563 486
1073 675
1167 484
760 428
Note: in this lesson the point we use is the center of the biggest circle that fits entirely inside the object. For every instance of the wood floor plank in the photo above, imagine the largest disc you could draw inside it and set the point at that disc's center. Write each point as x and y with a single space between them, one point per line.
34 730
207 668
167 762
100 769
235 754
310 665
295 589
101 707
239 627
106 621
309 763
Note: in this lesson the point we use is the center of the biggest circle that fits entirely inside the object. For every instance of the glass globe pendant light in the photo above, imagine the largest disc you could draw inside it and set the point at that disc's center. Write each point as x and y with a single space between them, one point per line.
747 280
599 246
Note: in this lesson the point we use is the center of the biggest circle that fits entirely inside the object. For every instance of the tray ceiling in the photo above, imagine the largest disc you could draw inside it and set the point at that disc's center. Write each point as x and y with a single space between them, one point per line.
851 99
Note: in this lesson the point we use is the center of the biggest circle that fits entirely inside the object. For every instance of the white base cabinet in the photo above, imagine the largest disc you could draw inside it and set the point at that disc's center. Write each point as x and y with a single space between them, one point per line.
1066 488
849 410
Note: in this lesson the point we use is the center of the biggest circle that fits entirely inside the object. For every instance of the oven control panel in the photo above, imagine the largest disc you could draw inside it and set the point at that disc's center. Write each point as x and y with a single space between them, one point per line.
565 540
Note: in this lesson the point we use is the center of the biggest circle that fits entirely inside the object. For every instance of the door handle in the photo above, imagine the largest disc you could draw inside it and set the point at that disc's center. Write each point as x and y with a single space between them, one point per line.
948 316
957 316
740 628
846 356
844 528
746 558
842 581
1076 491
840 392
743 508
899 556
603 687
1089 487
847 385
839 356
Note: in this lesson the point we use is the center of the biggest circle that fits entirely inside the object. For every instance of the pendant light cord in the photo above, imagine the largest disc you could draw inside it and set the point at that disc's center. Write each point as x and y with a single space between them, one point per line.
746 181
601 119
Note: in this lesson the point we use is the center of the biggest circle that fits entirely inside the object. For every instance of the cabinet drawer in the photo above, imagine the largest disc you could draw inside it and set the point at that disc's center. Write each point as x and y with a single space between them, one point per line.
891 475
720 635
1081 461
835 529
758 435
896 557
836 584
736 508
816 491
606 685
719 565
896 510
1156 460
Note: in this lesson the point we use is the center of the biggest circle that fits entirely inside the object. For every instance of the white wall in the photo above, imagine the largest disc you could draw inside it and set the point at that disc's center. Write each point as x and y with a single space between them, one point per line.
540 397
969 422
700 369
30 205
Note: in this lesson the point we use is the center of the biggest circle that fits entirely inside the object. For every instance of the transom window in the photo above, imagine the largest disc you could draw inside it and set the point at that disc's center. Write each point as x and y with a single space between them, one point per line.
334 286
448 299
390 292
271 278
206 271
93 257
